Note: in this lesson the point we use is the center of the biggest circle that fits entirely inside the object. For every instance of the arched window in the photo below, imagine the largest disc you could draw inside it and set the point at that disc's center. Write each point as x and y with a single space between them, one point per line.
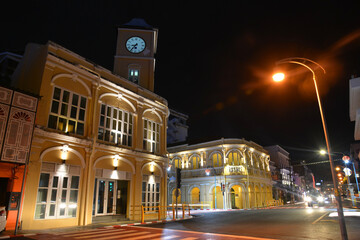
67 112
217 160
234 158
177 163
195 162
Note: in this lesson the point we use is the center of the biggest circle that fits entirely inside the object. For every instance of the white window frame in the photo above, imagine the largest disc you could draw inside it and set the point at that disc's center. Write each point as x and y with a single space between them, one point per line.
59 188
151 140
67 116
151 193
116 136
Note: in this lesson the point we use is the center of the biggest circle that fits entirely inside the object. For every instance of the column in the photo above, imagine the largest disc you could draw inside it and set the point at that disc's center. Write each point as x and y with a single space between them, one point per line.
85 188
163 135
136 190
138 131
203 193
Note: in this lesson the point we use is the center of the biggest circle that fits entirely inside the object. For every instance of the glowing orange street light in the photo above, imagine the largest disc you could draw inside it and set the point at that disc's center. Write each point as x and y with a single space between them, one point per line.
312 66
337 168
278 77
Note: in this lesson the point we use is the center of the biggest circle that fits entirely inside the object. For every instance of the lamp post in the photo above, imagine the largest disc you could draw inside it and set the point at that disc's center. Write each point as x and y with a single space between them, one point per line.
309 64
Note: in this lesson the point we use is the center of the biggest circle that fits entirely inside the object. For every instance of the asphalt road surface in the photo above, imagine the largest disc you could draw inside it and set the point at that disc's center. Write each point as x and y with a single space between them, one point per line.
291 223
288 223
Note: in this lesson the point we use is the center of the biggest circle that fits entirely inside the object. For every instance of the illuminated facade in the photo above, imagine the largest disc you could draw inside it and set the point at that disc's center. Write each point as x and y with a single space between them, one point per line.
99 145
354 92
233 173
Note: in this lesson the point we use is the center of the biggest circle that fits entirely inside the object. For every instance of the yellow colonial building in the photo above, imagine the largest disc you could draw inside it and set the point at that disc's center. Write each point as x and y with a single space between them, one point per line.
99 144
221 174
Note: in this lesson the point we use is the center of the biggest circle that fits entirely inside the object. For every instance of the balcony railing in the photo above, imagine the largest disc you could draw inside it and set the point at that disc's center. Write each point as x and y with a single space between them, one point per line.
193 173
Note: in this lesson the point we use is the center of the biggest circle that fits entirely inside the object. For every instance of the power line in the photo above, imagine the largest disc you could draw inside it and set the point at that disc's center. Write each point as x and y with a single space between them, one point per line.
314 163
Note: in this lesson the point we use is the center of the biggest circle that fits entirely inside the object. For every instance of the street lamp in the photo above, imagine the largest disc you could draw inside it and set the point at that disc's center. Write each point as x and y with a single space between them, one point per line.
310 64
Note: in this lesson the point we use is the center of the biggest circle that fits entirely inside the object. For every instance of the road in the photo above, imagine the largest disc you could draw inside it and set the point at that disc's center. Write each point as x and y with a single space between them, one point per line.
291 223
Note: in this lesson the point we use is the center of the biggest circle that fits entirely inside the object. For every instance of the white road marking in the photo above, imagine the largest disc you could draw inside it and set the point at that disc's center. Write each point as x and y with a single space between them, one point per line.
97 236
320 218
125 236
90 233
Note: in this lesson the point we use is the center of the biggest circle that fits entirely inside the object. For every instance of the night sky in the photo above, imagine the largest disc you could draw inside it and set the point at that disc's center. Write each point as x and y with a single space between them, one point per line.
214 62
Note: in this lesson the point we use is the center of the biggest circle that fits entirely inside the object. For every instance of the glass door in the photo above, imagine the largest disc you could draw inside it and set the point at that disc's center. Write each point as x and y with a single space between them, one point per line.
104 197
100 197
110 197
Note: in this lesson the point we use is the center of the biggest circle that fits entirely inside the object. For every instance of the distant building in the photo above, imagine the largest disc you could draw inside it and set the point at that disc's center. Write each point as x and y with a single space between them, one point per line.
283 174
233 173
177 131
308 177
354 92
8 63
354 112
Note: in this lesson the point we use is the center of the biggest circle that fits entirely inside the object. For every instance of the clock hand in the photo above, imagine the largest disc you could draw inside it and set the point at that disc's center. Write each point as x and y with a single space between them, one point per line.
133 46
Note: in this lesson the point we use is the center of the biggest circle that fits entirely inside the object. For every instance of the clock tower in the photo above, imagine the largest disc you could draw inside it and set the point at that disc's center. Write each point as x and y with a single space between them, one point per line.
135 51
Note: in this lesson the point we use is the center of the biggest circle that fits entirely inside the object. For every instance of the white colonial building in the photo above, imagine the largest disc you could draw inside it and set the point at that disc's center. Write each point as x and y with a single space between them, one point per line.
226 173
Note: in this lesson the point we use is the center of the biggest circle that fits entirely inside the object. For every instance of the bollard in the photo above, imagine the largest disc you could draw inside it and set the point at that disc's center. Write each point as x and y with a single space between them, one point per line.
142 215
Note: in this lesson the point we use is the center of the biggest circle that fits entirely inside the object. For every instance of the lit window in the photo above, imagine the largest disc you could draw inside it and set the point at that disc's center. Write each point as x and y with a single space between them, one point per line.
234 158
217 162
57 195
195 162
115 126
151 141
134 75
177 163
67 112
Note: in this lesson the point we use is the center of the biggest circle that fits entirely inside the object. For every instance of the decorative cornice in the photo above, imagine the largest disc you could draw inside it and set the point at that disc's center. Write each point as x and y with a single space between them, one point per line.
40 134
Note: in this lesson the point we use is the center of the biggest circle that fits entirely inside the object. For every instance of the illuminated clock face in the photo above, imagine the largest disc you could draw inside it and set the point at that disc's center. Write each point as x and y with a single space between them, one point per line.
135 44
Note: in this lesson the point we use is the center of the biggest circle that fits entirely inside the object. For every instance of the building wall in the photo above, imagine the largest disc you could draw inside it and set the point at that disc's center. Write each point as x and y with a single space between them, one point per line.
241 170
78 158
17 117
354 110
177 131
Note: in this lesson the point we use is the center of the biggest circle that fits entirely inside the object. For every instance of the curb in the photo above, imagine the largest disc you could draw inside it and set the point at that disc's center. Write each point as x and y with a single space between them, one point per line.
19 235
152 222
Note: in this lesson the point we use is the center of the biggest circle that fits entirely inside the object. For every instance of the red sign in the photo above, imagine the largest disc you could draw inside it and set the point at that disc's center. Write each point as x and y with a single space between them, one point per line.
346 158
